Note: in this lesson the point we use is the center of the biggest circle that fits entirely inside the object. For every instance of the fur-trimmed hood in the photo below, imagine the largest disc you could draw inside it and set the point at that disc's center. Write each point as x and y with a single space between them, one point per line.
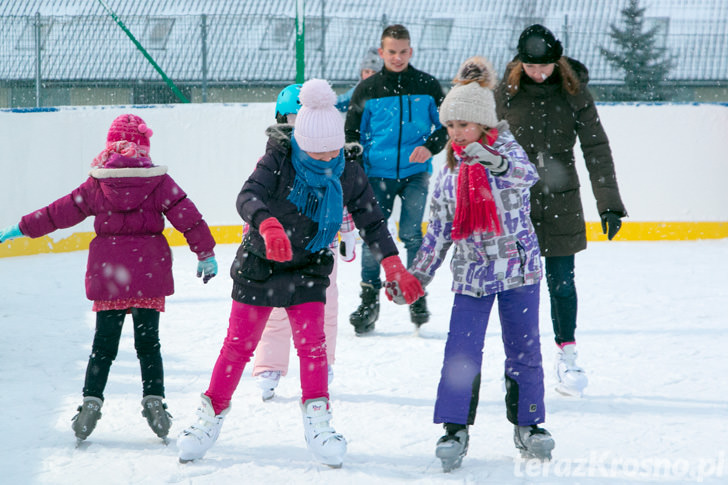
279 136
127 187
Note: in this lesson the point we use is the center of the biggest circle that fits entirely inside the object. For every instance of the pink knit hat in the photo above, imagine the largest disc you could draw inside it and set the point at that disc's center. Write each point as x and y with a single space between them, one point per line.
319 125
130 128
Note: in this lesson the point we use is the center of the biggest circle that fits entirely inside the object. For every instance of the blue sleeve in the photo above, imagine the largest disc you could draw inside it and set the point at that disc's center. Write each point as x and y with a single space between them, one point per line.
343 100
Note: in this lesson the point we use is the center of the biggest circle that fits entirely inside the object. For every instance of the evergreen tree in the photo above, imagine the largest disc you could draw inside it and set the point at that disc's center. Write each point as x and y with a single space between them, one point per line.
645 65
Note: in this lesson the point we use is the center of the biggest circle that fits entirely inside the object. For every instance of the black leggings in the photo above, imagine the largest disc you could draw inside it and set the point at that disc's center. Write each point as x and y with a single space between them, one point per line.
106 346
562 293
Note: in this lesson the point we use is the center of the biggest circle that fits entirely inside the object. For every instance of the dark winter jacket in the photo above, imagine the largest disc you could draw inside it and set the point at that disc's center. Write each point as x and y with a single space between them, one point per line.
391 114
129 257
263 282
546 121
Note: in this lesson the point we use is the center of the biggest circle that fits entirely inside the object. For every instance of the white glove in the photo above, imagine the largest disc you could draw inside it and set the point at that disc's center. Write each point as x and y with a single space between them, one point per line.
487 156
347 246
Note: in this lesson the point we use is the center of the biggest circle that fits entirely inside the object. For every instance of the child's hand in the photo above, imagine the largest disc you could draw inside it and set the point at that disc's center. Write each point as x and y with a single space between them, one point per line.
420 155
486 156
391 288
347 246
409 286
277 244
10 232
207 269
353 151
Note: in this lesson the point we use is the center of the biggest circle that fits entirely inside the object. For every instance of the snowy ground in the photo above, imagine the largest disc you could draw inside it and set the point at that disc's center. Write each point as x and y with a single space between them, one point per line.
652 336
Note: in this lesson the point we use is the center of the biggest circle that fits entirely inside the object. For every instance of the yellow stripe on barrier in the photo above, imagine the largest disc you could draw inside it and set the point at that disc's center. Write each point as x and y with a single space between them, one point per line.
631 231
661 231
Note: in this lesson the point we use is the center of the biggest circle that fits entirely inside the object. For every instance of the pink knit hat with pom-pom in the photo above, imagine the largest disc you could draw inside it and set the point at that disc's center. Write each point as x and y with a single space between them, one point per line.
130 128
319 125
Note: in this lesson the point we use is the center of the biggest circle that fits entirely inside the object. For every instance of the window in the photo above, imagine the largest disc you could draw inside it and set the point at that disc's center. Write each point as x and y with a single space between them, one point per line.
156 33
436 34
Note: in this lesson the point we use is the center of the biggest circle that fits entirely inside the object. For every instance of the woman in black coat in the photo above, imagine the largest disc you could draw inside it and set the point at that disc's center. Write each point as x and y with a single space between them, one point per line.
544 97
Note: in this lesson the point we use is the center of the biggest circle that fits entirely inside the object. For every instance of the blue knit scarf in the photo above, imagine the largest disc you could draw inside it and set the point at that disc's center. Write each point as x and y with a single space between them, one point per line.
317 194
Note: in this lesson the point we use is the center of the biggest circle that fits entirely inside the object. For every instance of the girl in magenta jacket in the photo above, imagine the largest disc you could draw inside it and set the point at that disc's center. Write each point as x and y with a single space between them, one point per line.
129 262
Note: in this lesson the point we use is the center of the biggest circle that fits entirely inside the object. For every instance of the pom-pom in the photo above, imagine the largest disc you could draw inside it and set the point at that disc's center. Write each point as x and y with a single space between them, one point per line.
144 129
476 69
317 94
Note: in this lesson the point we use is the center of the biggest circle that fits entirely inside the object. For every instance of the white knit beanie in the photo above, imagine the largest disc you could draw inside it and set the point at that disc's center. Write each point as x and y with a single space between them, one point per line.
319 125
471 98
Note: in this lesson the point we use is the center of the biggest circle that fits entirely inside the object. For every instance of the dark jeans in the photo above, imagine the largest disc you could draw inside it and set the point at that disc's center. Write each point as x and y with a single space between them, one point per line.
562 292
106 346
413 194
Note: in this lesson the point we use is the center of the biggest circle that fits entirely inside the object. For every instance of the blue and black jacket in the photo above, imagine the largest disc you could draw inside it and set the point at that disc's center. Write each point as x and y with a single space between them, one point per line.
392 113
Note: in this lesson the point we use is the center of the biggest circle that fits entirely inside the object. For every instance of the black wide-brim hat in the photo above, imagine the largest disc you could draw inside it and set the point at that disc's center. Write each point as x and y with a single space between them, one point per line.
537 45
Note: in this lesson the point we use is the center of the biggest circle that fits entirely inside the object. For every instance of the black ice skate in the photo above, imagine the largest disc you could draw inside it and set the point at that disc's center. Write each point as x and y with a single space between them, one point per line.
452 447
418 312
84 422
364 317
158 418
533 442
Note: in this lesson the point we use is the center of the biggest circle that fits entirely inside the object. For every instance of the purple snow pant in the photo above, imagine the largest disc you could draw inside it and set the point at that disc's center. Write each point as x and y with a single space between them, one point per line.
457 394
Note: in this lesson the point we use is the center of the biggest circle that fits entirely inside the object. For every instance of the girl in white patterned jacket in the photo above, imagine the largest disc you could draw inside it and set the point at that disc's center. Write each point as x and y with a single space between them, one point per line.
480 204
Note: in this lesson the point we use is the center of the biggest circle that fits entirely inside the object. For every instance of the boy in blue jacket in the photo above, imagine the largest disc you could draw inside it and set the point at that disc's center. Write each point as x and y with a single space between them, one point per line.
393 115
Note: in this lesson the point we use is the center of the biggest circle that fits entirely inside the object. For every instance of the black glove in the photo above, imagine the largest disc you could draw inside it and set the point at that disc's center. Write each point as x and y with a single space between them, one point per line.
611 223
353 151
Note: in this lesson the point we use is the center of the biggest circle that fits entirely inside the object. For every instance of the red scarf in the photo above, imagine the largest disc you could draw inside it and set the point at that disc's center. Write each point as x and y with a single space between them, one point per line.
475 209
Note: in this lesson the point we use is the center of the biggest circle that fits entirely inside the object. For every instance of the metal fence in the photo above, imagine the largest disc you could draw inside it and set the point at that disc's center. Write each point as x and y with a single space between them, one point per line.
61 60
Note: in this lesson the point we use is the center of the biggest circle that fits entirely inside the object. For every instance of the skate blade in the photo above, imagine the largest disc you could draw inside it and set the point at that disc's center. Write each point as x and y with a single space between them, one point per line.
526 455
540 450
567 391
329 462
449 462
186 460
266 397
449 465
362 331
80 443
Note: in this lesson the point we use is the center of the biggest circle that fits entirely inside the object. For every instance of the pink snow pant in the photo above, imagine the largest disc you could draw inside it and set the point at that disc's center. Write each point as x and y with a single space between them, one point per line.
274 348
246 326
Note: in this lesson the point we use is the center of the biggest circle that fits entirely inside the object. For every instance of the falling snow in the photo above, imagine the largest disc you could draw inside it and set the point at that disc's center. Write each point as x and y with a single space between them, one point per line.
652 335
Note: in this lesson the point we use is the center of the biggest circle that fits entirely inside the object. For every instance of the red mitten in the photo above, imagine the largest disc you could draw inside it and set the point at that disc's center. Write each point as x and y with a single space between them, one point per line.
409 286
277 245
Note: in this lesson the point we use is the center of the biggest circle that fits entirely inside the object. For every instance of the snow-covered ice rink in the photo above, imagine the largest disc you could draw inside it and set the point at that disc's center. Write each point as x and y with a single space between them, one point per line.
653 334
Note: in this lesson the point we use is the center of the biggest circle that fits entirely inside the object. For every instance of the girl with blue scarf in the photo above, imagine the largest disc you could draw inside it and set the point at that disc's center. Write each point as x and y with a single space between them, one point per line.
293 203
